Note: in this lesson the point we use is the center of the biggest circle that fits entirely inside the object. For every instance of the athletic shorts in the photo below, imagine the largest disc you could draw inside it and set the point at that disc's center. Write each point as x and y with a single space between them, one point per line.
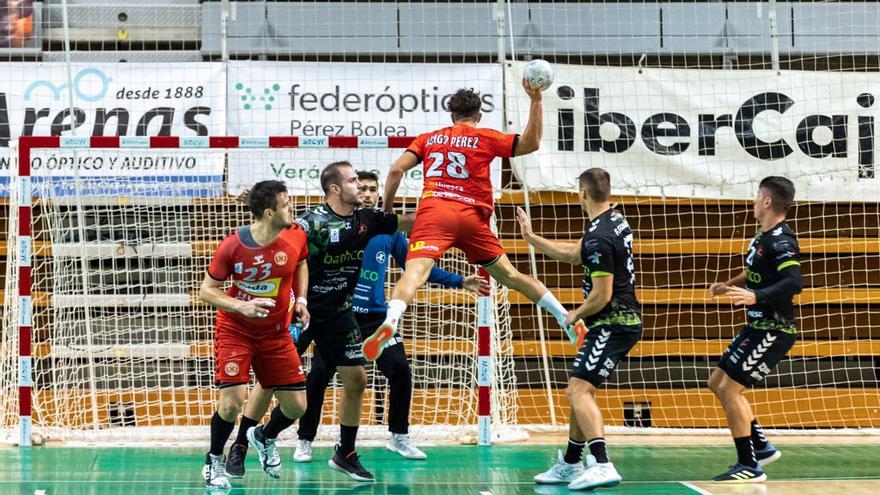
603 348
272 356
370 322
441 224
337 339
754 353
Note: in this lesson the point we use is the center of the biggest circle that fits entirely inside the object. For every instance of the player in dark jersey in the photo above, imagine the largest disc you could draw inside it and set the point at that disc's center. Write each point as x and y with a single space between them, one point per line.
338 232
369 308
612 314
771 279
266 262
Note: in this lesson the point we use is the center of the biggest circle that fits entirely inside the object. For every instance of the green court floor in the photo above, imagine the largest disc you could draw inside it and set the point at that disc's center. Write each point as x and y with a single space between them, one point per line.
449 470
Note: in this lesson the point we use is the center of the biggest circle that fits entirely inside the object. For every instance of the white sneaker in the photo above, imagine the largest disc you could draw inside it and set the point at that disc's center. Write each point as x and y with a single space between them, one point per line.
561 472
401 444
596 476
270 461
214 472
303 451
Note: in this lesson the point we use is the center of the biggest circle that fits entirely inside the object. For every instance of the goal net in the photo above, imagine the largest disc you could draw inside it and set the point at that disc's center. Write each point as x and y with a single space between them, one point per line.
687 104
122 345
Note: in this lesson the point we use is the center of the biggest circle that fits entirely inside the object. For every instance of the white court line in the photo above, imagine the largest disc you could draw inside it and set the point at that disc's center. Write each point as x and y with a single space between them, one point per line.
486 493
695 488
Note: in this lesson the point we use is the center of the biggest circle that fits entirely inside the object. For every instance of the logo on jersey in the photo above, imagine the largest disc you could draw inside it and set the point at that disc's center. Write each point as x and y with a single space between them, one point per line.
362 229
334 235
418 246
258 259
380 257
231 369
594 257
777 231
302 222
265 288
281 258
238 267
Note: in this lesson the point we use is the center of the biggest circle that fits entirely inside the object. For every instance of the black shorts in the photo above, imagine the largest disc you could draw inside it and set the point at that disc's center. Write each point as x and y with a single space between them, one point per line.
753 353
337 339
603 348
370 322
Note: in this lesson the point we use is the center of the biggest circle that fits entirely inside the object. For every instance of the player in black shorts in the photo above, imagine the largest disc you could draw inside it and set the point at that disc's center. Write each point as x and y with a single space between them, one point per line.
772 277
337 233
612 314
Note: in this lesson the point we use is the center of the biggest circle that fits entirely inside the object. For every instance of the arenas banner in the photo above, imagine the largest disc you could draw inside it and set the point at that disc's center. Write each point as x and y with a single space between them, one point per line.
702 133
116 99
316 100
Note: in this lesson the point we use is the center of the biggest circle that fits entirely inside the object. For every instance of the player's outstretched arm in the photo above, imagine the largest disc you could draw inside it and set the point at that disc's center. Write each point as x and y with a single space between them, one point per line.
212 293
568 252
722 288
530 140
476 284
405 162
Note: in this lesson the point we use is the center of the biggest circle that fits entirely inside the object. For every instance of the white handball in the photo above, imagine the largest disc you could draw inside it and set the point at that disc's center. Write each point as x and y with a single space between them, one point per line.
539 72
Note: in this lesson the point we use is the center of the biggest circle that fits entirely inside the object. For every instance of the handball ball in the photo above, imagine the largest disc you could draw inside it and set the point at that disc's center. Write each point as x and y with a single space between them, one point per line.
539 72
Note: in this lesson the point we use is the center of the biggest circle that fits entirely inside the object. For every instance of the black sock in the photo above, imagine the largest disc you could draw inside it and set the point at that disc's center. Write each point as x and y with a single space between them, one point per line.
574 452
598 450
745 452
243 425
758 439
220 431
347 435
277 423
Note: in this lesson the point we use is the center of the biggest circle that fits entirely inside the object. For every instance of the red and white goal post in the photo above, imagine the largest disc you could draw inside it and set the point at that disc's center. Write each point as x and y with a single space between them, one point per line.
111 342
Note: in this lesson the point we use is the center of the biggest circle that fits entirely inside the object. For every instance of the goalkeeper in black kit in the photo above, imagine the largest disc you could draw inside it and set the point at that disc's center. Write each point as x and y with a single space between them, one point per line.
771 279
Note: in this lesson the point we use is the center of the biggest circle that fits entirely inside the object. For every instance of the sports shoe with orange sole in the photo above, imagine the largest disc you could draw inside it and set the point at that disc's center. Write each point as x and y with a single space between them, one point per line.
375 344
577 332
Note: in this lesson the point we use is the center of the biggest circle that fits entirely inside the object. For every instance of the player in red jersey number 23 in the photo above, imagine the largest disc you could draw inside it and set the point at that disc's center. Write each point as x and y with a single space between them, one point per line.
267 264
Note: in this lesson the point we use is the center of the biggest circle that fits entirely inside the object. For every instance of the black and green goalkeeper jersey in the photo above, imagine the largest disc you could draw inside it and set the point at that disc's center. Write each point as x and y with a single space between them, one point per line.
773 273
606 251
336 247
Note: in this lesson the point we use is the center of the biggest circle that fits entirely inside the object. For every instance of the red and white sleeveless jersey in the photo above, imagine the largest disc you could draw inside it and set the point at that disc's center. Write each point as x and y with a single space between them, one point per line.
266 271
457 161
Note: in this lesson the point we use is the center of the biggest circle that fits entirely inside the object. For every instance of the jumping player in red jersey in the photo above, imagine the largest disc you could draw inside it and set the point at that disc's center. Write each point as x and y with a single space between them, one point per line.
457 205
267 263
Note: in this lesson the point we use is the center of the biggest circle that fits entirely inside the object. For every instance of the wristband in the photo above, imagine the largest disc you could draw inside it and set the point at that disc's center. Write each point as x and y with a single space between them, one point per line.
302 300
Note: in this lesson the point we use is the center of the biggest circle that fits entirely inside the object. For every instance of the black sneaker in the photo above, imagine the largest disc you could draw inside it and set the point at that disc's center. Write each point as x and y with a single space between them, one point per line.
740 473
235 460
350 465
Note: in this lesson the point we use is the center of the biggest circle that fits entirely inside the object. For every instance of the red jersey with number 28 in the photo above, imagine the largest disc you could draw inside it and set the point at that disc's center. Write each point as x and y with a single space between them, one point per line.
457 162
260 271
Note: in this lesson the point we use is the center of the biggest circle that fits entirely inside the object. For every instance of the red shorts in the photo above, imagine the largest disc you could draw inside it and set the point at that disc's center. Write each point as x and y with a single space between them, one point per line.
272 356
441 224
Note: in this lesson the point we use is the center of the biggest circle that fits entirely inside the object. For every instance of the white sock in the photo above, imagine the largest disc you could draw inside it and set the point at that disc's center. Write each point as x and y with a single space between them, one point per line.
396 307
552 305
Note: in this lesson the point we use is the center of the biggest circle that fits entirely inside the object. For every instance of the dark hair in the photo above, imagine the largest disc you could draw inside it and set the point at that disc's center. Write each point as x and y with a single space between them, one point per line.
331 175
781 192
368 175
264 195
465 104
597 182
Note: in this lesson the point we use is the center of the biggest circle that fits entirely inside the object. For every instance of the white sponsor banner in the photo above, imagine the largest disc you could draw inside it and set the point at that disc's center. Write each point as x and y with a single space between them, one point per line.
345 99
702 133
114 99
